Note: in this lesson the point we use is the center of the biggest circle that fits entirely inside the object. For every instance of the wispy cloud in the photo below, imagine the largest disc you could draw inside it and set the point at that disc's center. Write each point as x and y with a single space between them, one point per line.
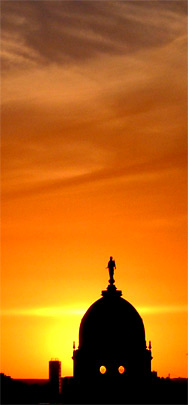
44 311
134 172
92 87
162 309
77 311
62 32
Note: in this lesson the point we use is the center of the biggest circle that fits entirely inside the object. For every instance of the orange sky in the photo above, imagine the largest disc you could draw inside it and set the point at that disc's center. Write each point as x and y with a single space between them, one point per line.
93 165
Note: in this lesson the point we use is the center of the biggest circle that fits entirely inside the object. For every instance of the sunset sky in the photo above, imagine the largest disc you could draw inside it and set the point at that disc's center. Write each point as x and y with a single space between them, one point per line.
93 165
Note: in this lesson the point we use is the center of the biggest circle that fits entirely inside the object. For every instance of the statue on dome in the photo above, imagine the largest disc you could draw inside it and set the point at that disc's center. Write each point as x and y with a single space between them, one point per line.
111 266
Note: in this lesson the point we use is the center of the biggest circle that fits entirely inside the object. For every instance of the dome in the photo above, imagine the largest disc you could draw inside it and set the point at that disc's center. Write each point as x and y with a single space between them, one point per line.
112 324
111 338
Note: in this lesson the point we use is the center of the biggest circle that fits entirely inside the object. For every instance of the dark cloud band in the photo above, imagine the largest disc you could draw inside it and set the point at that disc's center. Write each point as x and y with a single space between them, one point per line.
46 32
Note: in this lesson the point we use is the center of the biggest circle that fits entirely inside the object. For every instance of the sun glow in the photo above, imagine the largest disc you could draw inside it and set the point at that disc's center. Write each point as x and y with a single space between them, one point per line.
49 332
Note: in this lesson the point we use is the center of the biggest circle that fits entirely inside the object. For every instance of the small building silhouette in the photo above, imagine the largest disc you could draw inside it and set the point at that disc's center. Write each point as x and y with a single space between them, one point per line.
55 376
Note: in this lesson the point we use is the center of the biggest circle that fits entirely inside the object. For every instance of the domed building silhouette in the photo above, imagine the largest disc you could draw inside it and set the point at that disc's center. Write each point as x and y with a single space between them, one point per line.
111 340
112 364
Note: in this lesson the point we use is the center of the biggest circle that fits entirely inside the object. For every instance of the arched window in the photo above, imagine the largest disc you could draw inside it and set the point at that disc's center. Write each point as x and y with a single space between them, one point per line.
102 369
121 369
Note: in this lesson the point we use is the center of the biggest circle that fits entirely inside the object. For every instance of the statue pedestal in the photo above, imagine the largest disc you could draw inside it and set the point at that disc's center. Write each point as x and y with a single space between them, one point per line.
111 290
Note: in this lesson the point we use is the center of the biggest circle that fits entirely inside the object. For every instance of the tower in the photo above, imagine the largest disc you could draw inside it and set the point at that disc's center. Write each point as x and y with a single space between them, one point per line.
55 376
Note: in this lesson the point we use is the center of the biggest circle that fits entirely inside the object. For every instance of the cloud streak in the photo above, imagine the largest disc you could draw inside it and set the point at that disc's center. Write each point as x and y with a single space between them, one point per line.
77 311
131 173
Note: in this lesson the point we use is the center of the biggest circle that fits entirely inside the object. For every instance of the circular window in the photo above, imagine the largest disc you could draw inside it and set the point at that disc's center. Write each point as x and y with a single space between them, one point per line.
102 369
121 369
